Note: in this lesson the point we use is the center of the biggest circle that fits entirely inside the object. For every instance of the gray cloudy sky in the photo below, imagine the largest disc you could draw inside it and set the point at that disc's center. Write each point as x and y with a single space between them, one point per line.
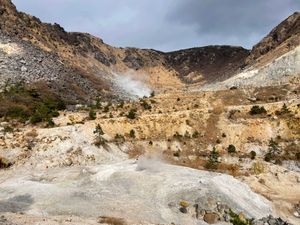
166 24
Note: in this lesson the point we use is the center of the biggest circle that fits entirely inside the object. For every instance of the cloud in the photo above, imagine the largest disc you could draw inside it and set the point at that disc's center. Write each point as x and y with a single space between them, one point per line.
232 21
168 24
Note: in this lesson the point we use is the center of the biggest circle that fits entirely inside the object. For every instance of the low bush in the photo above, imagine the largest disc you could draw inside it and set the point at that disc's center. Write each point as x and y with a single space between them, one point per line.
212 163
255 110
284 110
24 103
231 149
252 155
152 94
99 140
132 134
131 114
196 134
4 163
237 219
146 105
119 138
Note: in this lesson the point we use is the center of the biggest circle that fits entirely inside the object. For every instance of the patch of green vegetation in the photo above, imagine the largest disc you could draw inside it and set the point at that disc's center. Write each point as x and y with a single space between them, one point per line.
176 154
98 104
212 163
298 156
152 94
132 133
255 110
196 134
99 139
4 163
131 114
273 151
284 110
24 103
252 155
238 220
145 105
231 149
119 137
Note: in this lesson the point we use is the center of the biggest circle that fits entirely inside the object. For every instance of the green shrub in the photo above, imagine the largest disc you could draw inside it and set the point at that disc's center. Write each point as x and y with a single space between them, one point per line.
50 123
132 134
119 137
284 110
268 157
98 104
195 134
92 115
176 154
26 103
238 220
4 163
252 155
146 105
257 110
99 139
231 149
212 159
131 114
98 130
298 156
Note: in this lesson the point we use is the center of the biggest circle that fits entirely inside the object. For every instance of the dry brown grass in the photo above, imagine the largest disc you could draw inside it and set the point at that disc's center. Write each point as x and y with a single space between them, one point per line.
135 153
111 220
4 163
33 133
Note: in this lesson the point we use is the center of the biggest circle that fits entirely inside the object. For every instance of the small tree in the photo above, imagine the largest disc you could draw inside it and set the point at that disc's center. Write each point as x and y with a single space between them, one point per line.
152 94
132 134
252 155
98 130
131 114
92 115
146 105
257 110
213 159
99 139
231 149
98 103
273 150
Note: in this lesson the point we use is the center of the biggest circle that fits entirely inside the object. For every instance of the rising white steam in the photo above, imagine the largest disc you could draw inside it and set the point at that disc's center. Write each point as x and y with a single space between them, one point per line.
132 85
152 163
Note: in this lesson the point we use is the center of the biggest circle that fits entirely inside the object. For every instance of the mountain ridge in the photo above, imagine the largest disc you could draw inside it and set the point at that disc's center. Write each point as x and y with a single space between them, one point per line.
97 62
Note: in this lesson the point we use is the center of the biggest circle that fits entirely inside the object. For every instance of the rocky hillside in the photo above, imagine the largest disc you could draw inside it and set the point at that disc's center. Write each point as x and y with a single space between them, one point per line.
282 39
94 61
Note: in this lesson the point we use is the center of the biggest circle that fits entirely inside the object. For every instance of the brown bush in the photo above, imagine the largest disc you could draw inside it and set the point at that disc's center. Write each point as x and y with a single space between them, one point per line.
111 220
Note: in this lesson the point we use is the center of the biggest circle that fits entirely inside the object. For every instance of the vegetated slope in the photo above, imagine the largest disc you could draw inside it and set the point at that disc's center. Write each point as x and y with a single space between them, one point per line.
207 64
95 61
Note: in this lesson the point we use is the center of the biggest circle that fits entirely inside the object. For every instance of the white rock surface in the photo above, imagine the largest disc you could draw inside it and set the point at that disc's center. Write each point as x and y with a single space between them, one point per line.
137 191
280 71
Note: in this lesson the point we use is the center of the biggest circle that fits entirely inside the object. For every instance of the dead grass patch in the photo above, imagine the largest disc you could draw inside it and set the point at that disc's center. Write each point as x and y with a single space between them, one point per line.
111 220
